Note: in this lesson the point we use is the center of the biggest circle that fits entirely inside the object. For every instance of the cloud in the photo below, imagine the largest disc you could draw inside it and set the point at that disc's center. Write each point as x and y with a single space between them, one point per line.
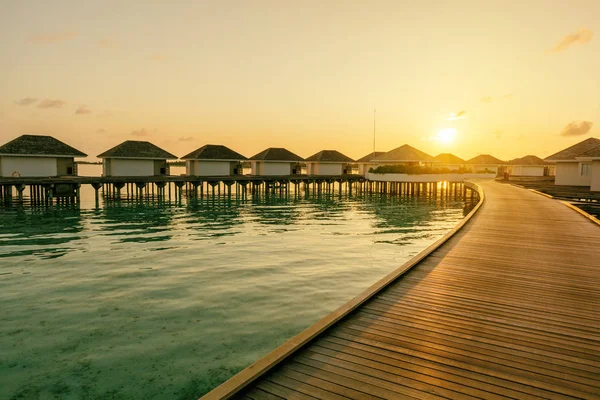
140 132
498 133
48 103
83 110
582 37
186 139
101 131
108 43
26 101
577 128
508 96
52 37
487 99
454 116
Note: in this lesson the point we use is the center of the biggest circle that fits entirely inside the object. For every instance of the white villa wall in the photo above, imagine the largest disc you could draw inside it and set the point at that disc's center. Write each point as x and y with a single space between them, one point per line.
526 170
211 168
595 186
126 167
569 174
325 168
426 177
256 167
271 168
363 168
28 166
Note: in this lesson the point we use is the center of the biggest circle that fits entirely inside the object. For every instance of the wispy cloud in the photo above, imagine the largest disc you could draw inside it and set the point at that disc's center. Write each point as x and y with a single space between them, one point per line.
454 116
487 99
508 96
498 133
577 128
186 139
83 110
55 37
48 103
108 43
100 131
140 132
27 101
582 37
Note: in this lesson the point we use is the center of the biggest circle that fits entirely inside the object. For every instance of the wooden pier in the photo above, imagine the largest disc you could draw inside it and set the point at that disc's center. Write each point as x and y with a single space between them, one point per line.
507 306
66 190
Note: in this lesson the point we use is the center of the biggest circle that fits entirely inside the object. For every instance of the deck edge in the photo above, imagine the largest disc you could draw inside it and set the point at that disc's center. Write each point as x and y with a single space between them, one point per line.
541 193
566 203
582 212
242 379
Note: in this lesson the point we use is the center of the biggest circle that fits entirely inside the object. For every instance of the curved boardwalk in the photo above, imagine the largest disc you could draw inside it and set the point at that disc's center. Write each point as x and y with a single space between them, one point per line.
509 307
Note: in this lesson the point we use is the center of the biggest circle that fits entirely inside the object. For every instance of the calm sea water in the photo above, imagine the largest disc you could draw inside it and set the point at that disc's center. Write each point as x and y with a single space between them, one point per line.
166 301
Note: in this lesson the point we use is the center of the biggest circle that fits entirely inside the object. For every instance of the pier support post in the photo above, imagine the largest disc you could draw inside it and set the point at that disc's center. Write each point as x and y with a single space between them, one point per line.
161 189
96 186
20 187
179 190
140 188
119 186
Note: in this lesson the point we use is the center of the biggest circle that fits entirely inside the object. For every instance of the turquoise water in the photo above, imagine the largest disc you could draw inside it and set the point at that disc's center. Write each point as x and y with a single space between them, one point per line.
167 300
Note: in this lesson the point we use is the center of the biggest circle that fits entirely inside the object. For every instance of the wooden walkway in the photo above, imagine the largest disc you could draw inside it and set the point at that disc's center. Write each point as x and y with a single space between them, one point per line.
509 307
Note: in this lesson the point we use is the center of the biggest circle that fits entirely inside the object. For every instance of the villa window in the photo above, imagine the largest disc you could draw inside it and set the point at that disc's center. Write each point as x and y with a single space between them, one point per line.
586 169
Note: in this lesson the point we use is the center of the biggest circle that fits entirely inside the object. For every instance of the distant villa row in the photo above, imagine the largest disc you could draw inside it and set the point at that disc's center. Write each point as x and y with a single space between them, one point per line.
46 156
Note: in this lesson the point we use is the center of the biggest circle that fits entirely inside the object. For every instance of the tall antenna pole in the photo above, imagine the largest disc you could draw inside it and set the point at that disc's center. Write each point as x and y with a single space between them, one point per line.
374 132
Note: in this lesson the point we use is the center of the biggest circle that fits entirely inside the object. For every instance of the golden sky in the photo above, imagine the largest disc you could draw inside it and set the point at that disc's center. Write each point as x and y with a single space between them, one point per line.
512 77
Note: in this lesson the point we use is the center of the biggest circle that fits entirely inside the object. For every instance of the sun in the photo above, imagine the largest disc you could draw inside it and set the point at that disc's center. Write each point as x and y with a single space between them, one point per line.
446 135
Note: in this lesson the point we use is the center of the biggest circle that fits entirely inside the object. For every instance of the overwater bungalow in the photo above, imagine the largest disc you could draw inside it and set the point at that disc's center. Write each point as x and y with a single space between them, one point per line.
213 160
135 158
485 162
404 154
366 162
527 166
576 164
38 156
592 157
276 161
449 160
329 162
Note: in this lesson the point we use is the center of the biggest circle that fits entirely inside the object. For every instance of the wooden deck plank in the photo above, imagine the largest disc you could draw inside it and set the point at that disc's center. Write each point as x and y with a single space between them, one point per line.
508 307
464 376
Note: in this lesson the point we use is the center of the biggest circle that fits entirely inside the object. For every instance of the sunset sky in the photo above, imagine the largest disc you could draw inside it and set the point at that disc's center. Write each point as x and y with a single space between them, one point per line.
512 77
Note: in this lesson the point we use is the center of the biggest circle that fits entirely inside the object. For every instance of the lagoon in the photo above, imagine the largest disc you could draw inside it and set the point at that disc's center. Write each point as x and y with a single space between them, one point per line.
165 300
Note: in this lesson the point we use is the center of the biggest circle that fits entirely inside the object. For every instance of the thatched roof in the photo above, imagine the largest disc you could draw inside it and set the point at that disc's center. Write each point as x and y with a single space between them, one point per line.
137 149
276 154
574 151
448 158
592 153
40 146
214 152
371 156
405 153
485 159
329 156
527 160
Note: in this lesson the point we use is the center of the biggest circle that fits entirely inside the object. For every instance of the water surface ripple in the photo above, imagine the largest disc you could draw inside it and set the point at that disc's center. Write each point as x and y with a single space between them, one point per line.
167 300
